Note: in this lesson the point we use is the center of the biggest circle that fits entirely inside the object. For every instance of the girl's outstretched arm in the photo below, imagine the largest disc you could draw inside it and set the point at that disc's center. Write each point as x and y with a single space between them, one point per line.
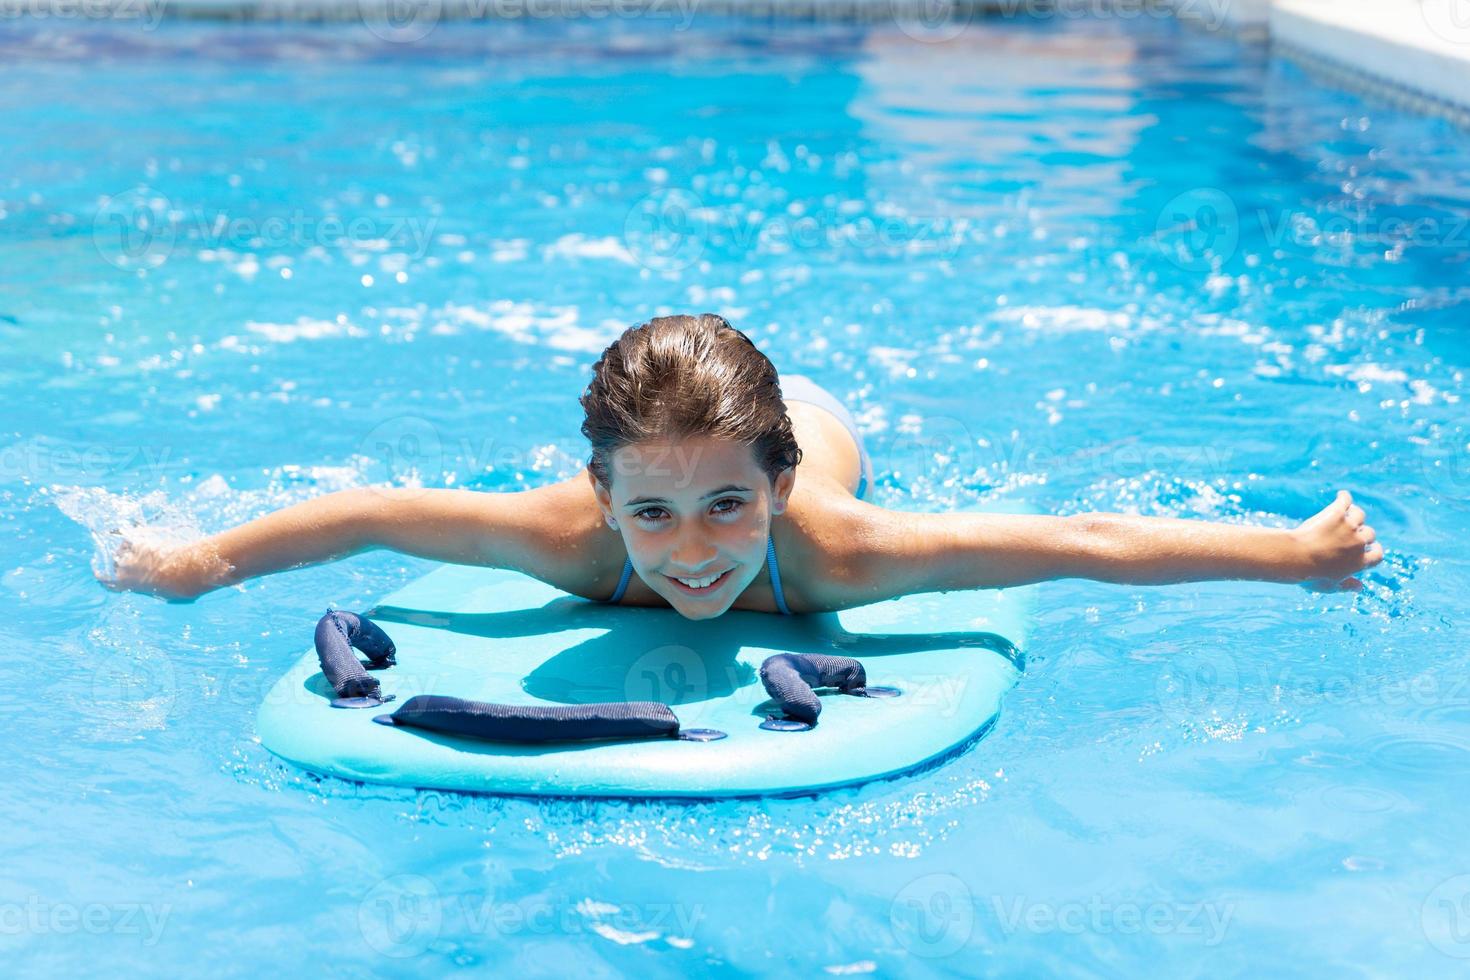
528 531
896 553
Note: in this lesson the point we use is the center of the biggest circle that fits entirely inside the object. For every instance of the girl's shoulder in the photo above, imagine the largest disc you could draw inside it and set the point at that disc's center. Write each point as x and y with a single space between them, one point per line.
821 541
575 550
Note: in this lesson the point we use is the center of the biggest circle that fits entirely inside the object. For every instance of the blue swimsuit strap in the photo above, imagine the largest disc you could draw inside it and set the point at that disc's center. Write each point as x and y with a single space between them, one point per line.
623 582
775 571
775 576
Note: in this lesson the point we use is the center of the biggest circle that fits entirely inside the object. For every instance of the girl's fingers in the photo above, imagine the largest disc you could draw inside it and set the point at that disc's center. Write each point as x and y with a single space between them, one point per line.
1373 555
1366 534
1355 515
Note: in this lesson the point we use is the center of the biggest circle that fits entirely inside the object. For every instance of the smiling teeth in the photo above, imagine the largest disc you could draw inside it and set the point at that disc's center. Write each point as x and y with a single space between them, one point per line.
699 583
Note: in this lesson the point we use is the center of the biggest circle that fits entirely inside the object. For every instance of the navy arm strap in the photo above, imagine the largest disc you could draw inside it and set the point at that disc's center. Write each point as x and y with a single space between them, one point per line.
791 677
337 635
535 723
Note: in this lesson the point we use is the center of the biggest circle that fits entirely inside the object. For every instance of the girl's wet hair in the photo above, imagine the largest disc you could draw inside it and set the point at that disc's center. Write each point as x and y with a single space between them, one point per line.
676 377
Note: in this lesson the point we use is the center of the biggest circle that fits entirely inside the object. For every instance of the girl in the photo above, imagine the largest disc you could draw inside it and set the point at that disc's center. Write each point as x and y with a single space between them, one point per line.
704 467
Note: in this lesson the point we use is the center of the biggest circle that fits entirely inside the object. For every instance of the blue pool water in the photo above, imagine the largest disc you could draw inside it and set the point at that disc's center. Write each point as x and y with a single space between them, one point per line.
1091 264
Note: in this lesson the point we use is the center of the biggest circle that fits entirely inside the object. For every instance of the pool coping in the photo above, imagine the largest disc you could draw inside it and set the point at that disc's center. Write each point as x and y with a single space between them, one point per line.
1409 53
1374 47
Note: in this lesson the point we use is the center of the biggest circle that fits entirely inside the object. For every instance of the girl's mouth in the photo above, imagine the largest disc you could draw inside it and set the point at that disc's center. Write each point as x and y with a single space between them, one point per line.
712 587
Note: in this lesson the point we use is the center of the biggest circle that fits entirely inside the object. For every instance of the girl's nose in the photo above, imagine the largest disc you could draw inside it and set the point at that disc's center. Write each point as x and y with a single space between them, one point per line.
692 553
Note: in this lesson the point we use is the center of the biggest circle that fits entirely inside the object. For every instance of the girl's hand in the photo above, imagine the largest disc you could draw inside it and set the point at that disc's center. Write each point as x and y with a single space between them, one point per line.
178 573
1336 544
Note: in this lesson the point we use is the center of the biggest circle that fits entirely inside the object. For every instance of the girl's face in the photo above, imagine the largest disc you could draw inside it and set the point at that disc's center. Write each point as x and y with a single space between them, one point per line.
690 511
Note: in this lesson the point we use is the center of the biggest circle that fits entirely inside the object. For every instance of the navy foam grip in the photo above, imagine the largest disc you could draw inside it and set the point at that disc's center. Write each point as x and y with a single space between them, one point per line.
337 634
791 677
537 723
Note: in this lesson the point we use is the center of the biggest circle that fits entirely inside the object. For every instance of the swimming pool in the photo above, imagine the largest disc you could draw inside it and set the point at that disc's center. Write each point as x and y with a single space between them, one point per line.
1086 263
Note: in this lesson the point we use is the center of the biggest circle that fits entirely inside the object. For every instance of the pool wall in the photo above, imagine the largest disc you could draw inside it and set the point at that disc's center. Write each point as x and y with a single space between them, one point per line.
1413 53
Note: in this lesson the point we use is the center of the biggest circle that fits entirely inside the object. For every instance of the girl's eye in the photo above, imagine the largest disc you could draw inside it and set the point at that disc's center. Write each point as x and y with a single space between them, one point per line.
655 514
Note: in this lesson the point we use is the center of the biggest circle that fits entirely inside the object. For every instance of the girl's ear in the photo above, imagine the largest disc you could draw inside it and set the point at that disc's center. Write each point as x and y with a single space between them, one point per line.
781 489
604 500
